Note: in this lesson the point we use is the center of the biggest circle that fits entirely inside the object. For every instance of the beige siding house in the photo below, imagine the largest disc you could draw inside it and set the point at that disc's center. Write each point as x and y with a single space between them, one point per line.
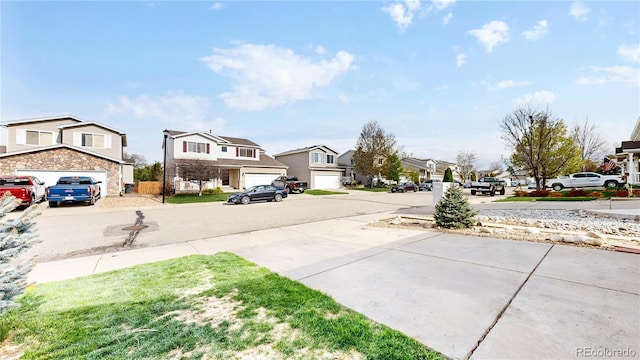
51 147
628 155
317 165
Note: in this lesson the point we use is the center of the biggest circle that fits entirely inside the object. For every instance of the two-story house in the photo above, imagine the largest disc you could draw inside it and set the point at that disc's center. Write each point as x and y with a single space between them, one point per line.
51 147
317 165
236 163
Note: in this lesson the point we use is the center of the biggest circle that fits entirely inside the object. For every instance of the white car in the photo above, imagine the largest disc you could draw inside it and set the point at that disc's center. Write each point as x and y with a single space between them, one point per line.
585 179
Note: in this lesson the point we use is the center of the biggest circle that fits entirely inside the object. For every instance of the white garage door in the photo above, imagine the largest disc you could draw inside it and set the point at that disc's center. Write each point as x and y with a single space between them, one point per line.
326 181
258 179
51 177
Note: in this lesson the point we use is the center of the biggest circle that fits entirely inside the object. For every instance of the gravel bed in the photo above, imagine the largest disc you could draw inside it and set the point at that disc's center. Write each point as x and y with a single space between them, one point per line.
574 220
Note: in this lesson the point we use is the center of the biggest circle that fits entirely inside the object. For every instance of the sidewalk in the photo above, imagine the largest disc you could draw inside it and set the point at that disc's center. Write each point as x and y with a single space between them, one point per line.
463 296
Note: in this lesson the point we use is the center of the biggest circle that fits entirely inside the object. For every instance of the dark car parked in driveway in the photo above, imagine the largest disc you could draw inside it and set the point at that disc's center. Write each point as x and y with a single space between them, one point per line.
259 193
404 187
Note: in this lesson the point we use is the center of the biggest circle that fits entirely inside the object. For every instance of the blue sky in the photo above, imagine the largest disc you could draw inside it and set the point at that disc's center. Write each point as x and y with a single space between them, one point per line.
438 75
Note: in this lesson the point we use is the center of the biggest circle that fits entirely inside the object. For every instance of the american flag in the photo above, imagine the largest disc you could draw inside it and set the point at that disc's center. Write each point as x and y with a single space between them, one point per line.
608 164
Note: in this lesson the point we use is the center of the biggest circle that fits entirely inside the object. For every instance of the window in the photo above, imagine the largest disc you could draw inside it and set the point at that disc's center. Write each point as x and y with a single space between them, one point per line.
34 137
244 152
317 158
224 149
196 147
93 140
330 159
380 161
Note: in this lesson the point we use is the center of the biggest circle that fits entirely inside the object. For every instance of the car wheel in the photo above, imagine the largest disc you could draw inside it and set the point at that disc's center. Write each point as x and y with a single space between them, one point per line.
414 189
502 192
31 200
245 200
611 184
53 204
302 191
557 187
92 201
492 192
473 192
278 198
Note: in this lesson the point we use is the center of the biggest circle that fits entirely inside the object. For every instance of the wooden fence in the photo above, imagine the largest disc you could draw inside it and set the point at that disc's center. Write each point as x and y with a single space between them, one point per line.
150 187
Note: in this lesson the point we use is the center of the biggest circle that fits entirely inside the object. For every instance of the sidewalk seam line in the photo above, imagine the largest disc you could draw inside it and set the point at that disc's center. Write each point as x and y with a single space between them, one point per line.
504 309
95 267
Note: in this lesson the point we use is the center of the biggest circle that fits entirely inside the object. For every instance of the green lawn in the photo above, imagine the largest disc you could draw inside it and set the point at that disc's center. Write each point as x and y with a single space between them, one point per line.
214 307
186 199
324 192
373 189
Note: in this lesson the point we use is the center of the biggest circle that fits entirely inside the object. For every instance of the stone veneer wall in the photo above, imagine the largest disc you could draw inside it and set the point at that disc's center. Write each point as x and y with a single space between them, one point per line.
63 159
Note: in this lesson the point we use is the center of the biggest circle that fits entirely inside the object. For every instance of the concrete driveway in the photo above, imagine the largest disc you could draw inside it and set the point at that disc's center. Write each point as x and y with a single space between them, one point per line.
467 297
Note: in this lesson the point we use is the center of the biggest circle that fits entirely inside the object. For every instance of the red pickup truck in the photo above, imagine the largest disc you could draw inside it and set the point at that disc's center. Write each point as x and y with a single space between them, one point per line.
28 189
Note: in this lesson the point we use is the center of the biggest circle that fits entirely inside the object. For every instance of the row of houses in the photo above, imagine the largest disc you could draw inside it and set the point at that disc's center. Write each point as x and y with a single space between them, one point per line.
49 147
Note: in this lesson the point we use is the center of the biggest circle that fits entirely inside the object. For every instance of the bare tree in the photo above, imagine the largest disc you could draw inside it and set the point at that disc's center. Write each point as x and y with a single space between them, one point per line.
496 167
465 162
540 144
592 146
196 169
139 161
373 149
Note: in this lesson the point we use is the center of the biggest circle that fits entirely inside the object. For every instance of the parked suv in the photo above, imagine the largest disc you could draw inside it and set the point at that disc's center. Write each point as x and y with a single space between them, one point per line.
404 187
427 185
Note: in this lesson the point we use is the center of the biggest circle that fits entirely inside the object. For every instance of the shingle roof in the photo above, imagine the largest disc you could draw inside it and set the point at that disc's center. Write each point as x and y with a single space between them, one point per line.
265 161
232 140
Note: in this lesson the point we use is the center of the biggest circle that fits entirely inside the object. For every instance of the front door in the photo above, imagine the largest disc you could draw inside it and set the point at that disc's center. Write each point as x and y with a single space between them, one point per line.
224 175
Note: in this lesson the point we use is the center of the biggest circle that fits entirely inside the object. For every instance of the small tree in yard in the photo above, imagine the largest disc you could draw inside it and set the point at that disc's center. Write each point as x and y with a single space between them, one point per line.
453 210
16 237
448 175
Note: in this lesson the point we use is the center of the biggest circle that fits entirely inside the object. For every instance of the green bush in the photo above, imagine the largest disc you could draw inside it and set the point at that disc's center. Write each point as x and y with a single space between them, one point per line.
215 191
453 210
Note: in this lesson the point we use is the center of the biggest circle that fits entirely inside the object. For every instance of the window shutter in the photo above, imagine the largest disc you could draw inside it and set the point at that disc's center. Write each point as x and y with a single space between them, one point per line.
107 141
77 138
208 148
21 136
255 153
184 146
237 152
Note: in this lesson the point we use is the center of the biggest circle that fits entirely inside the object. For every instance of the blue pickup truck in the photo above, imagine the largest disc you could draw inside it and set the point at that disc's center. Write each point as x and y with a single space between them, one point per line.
74 189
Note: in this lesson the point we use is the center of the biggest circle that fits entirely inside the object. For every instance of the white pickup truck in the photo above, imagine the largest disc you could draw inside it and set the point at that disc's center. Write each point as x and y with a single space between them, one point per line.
585 179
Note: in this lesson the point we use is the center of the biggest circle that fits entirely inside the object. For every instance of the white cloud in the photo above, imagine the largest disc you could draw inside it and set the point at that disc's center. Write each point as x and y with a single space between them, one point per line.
402 13
442 4
174 108
267 76
217 6
447 18
538 31
538 98
492 34
505 84
629 52
579 11
461 59
625 75
320 50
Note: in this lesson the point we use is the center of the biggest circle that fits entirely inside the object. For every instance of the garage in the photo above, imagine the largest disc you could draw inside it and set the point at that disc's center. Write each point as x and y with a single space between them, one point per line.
50 177
327 181
258 179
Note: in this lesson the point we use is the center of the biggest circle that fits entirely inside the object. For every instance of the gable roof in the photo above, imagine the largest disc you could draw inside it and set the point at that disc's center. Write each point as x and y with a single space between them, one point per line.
78 122
306 149
61 146
216 138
